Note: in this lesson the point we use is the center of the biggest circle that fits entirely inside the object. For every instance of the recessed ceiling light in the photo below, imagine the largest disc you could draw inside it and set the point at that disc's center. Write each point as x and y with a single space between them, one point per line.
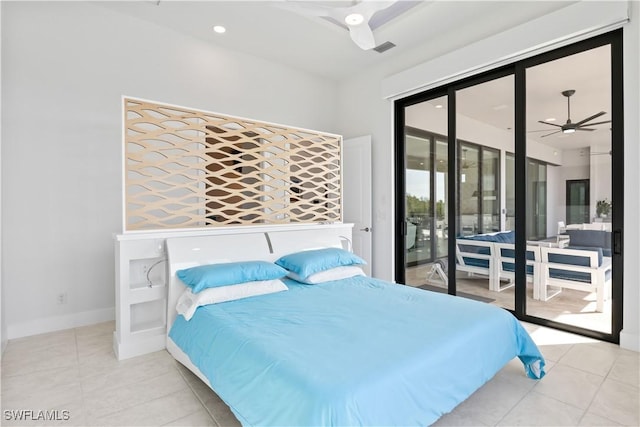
550 119
438 106
219 29
354 19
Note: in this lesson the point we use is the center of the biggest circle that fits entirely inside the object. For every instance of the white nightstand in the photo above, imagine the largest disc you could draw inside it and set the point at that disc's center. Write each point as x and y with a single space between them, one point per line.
141 295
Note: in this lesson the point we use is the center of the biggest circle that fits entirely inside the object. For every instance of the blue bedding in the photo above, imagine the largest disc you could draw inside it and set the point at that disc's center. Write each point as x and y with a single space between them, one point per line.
358 351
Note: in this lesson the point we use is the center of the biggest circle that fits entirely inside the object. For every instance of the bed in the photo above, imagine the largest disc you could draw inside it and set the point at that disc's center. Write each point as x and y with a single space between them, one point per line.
355 351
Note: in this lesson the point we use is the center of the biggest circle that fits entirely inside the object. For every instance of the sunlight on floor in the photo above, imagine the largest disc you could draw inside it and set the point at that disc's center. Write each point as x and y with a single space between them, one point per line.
547 336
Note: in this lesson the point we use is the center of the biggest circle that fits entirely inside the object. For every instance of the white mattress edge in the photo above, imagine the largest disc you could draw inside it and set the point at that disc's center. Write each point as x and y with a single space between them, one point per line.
182 357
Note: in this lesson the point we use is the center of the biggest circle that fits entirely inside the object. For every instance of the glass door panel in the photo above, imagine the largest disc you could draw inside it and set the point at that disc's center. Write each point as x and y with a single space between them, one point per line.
469 189
490 190
418 198
441 191
569 176
536 200
577 201
425 192
484 129
510 192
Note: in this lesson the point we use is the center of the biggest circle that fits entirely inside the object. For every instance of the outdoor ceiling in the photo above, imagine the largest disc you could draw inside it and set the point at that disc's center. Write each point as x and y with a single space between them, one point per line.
588 73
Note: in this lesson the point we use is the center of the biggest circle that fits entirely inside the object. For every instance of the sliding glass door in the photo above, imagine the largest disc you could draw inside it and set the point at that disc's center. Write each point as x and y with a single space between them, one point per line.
425 166
484 128
485 173
418 197
570 117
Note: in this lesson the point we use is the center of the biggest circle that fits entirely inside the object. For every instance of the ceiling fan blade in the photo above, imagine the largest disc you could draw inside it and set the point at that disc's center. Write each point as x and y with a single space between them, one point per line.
581 122
547 123
598 123
539 130
362 36
587 129
549 134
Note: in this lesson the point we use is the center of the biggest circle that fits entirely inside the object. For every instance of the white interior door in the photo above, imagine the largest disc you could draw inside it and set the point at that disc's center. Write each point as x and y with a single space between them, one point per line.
356 187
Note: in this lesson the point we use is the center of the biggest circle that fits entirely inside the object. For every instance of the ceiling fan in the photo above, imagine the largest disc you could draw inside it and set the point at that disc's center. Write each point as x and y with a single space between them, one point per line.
570 127
355 16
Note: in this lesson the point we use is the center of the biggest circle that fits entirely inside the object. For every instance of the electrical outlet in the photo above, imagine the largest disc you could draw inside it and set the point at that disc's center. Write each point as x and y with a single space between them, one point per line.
62 298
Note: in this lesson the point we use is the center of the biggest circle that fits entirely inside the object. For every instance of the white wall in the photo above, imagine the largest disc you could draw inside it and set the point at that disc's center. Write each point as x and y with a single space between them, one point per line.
363 111
65 67
3 323
630 335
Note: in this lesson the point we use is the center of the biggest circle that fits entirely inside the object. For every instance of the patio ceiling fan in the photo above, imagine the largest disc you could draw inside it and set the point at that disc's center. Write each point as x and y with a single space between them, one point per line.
356 16
569 126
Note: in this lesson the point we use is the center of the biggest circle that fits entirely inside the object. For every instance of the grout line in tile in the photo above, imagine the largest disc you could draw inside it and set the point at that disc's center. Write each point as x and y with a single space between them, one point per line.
138 404
514 406
596 394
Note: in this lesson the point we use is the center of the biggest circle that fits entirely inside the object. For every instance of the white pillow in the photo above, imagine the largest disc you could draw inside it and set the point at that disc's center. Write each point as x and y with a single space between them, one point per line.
189 302
336 273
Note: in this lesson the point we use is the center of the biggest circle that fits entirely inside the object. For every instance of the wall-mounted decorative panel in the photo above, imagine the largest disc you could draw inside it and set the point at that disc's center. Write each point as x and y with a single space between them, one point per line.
186 168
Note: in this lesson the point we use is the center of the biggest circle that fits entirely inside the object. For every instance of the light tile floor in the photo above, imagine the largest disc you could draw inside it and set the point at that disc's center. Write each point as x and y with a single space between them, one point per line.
588 383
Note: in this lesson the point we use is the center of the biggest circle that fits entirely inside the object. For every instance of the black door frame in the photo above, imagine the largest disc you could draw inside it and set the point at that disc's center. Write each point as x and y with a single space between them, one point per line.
587 198
518 69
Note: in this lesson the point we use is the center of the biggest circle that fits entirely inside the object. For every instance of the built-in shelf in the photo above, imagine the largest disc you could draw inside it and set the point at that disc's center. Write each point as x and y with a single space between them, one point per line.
141 295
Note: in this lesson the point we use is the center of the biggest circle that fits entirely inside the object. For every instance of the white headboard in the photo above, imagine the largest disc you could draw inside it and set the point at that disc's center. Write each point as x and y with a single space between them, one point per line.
268 244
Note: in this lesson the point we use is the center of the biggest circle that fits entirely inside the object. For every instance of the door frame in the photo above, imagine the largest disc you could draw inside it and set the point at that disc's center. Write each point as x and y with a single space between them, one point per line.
358 150
518 69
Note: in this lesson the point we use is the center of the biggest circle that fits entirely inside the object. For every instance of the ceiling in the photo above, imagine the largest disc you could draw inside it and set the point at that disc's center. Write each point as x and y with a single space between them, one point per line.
315 45
424 30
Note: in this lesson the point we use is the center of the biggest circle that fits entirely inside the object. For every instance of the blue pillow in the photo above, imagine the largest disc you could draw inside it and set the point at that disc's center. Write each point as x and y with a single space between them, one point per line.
232 273
306 263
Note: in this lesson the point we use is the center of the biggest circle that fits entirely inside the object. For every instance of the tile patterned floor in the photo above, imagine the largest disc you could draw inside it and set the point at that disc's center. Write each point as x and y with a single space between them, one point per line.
589 383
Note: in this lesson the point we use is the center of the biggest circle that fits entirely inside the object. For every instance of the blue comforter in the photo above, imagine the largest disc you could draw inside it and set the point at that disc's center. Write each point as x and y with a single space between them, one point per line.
352 352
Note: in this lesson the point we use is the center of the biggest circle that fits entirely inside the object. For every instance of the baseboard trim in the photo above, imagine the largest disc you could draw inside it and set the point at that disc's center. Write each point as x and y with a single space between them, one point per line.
58 323
630 341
